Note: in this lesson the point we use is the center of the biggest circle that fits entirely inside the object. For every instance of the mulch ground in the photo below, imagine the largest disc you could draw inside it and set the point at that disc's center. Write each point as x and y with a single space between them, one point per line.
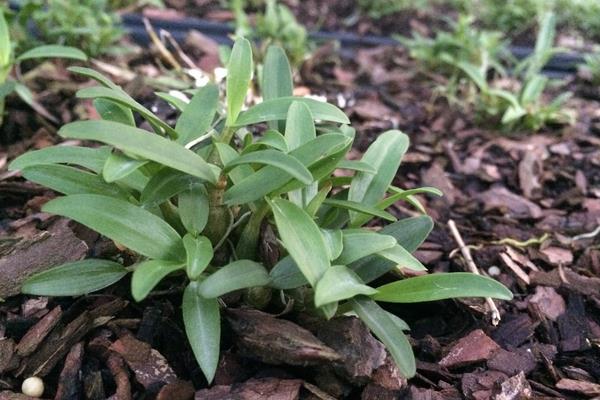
527 205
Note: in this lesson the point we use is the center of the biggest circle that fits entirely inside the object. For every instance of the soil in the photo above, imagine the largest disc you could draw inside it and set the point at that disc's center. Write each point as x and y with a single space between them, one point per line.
527 205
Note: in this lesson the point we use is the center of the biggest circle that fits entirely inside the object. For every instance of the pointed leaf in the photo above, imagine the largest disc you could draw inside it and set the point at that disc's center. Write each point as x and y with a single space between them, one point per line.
131 226
53 51
74 279
277 159
199 253
95 75
194 208
359 207
148 274
239 73
118 166
164 185
402 258
198 115
237 275
361 243
276 78
333 241
143 144
302 239
111 111
339 283
92 159
202 322
277 109
299 125
442 286
389 332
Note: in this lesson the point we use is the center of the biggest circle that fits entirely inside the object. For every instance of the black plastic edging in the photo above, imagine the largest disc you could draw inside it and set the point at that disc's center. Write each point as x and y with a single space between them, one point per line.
559 65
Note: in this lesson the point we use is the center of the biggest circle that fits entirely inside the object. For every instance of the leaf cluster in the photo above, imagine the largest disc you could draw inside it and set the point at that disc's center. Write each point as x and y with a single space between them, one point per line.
194 201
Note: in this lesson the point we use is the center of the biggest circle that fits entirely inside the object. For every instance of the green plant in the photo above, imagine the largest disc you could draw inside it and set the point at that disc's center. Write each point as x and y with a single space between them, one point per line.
514 16
380 8
526 108
591 67
191 201
462 43
86 24
8 61
276 25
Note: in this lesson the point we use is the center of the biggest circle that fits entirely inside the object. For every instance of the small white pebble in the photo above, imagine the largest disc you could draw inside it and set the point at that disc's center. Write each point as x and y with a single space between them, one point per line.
33 387
494 271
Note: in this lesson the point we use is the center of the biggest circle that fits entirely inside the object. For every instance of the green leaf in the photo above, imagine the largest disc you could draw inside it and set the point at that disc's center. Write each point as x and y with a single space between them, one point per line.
118 166
111 111
276 78
237 275
362 208
533 89
164 185
270 178
228 154
333 241
69 180
174 101
202 322
302 239
92 159
277 159
198 115
384 155
339 283
74 279
194 208
286 275
408 232
120 97
355 165
239 73
388 331
142 144
95 75
442 286
53 51
277 109
299 125
7 87
148 274
272 139
5 44
361 243
402 258
199 253
131 226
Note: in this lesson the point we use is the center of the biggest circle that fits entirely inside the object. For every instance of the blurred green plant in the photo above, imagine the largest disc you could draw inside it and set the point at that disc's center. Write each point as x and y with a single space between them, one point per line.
191 201
591 67
89 25
9 60
275 25
381 8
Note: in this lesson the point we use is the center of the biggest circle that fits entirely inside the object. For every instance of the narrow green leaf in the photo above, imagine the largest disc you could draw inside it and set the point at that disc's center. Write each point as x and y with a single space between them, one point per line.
355 165
143 144
299 125
7 87
276 79
92 159
148 274
361 243
442 286
120 97
272 139
239 73
388 331
384 155
74 279
277 109
277 159
237 275
362 208
228 154
131 226
408 232
111 111
333 241
173 101
164 185
194 208
302 239
269 178
339 283
95 75
118 166
198 115
5 44
199 253
202 322
70 180
402 258
53 51
286 275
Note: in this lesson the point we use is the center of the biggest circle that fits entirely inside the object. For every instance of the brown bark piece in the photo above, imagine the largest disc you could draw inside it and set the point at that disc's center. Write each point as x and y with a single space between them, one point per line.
374 392
572 385
515 388
7 350
254 389
37 333
69 384
117 368
150 367
361 353
498 197
49 249
512 362
277 341
473 348
180 390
